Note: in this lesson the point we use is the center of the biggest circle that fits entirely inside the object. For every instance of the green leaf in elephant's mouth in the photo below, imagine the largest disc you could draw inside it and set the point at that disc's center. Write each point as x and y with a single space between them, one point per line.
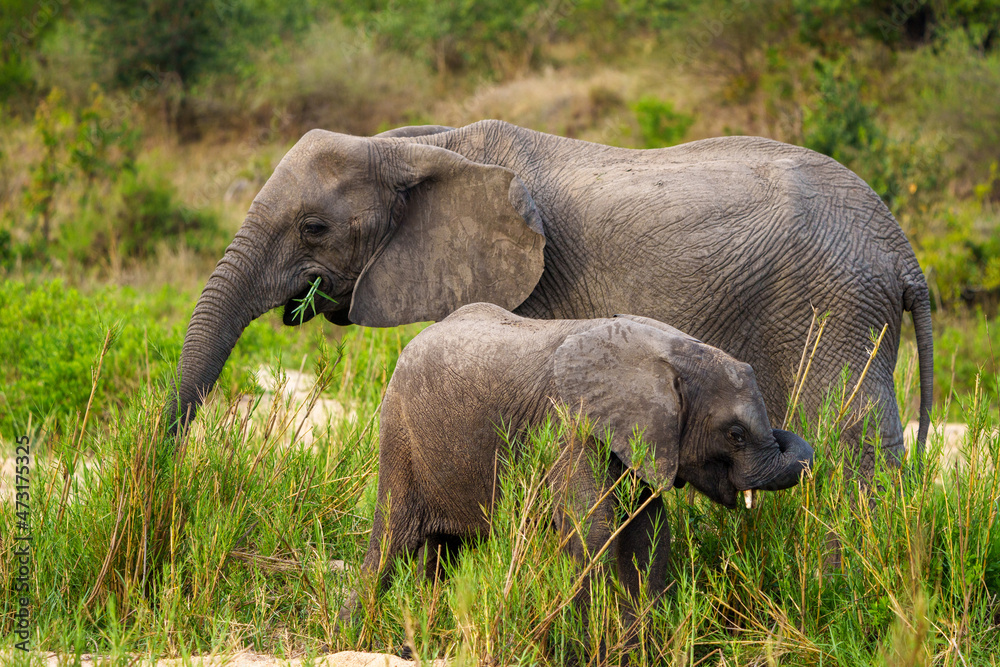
308 302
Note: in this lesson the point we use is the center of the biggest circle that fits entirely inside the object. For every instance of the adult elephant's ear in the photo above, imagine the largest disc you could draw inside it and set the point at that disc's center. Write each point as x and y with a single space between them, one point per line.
410 131
619 375
467 232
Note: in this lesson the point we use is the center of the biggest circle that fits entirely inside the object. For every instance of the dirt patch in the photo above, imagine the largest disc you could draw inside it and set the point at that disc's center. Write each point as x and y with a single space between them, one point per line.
293 392
953 434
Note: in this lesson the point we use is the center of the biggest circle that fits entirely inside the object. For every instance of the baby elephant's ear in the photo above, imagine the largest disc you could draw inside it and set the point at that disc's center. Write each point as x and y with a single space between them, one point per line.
619 375
465 232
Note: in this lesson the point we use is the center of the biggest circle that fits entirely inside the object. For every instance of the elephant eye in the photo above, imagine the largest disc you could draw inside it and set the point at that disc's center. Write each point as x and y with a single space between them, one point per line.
313 227
737 435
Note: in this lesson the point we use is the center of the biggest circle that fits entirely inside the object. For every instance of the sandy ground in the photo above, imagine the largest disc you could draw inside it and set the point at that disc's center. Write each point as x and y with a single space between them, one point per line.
954 437
247 659
295 394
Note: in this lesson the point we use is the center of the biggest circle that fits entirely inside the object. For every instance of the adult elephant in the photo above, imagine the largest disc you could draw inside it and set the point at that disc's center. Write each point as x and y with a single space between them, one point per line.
733 240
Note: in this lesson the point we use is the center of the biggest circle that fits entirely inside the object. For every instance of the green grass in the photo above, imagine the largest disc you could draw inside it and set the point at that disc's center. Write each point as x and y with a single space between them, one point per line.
225 541
50 335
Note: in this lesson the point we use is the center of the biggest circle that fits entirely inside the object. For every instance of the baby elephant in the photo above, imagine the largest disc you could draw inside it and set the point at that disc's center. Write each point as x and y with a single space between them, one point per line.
698 409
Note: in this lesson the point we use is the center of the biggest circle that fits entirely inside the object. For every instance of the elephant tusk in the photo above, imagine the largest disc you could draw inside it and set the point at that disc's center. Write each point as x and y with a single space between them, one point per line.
748 496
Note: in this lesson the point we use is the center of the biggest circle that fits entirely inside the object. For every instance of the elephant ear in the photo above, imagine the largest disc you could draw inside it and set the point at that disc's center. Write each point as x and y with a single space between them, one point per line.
468 232
620 376
650 322
409 131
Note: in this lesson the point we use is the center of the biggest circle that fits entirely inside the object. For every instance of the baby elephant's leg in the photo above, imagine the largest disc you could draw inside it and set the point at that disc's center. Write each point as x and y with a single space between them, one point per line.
642 551
436 551
585 516
395 531
582 512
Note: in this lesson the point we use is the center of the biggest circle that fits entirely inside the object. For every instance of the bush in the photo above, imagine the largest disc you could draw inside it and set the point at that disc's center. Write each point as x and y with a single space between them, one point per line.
963 259
150 215
331 76
966 346
895 22
23 24
498 36
190 38
840 123
88 200
953 91
659 124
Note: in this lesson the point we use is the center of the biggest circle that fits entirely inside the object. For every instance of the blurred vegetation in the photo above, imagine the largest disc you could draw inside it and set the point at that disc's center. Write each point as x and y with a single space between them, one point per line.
659 123
50 336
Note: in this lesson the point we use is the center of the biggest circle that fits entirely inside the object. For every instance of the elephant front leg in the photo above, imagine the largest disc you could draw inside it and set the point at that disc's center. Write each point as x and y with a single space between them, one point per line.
636 535
642 552
584 518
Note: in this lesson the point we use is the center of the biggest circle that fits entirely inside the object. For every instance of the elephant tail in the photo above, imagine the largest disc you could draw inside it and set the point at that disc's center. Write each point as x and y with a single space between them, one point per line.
916 299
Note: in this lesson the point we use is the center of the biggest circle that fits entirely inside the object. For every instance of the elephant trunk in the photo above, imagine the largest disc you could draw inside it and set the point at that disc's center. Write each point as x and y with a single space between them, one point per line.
796 457
236 293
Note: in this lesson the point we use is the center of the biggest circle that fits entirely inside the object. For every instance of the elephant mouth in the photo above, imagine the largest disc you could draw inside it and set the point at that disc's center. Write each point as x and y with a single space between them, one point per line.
729 497
309 302
733 494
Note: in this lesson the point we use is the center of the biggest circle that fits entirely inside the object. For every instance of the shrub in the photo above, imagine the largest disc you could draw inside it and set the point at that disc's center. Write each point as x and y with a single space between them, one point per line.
90 202
15 76
953 91
23 24
497 36
962 260
965 346
331 76
840 123
659 124
150 215
897 23
189 38
52 121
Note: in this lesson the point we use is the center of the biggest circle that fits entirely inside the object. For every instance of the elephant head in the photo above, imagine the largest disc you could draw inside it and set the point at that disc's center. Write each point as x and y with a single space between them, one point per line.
395 231
699 410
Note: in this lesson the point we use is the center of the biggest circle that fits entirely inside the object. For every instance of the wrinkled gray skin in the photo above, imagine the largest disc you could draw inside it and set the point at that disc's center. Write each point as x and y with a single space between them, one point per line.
699 410
730 239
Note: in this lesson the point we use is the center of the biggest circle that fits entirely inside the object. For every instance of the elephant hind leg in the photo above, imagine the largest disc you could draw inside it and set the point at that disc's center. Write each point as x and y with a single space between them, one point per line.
394 533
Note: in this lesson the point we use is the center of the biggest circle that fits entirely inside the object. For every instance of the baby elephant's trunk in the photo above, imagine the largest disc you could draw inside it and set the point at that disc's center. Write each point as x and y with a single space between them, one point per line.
796 458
